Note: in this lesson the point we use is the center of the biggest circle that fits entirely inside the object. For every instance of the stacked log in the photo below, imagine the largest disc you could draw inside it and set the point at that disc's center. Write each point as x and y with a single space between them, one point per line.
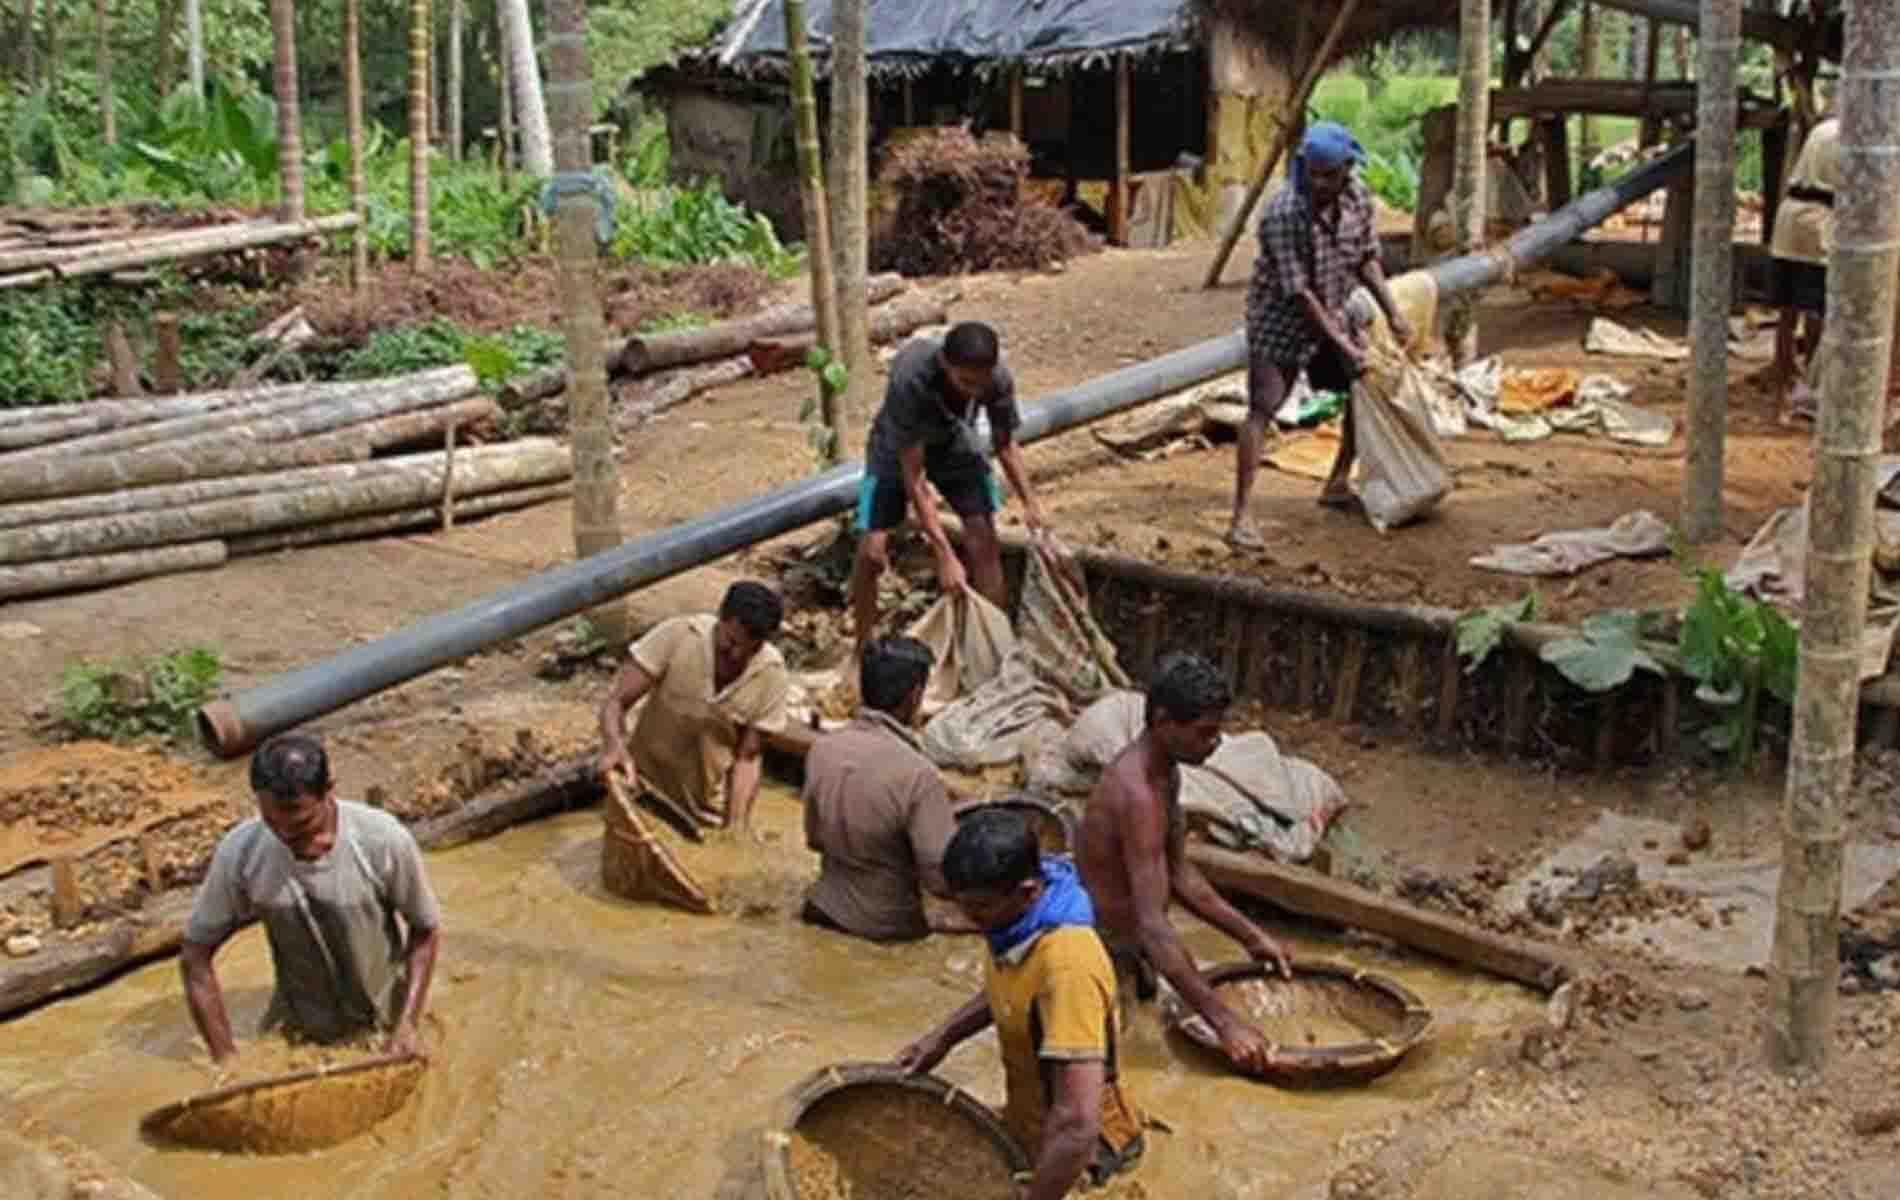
110 491
31 257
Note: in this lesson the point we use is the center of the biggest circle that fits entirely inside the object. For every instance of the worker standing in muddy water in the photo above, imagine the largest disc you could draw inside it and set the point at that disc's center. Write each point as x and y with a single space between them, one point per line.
1317 243
946 404
352 922
876 811
1131 847
1050 991
714 688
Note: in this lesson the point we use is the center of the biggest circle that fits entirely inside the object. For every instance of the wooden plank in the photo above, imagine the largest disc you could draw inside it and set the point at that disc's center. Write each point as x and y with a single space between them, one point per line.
1406 698
1309 663
1016 100
1254 655
1118 188
1556 136
1346 690
1450 674
1313 895
1233 634
1148 644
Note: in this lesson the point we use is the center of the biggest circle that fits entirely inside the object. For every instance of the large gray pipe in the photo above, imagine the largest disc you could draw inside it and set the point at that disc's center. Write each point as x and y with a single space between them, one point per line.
235 725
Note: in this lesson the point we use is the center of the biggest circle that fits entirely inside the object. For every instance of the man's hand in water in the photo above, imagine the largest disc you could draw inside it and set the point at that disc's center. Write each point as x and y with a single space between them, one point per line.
1243 1044
1265 950
921 1055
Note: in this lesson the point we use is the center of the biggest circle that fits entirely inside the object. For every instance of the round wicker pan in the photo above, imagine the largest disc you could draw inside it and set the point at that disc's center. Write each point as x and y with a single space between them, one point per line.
1328 1025
881 1132
293 1113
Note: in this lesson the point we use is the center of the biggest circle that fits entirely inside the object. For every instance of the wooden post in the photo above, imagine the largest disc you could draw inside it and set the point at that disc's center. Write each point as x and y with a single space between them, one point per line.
1556 137
1469 187
1148 644
149 862
1289 121
448 477
168 376
1606 731
505 139
1233 635
1346 688
1652 44
1309 664
1254 656
1118 187
1449 672
1406 696
68 905
1016 102
1713 267
125 366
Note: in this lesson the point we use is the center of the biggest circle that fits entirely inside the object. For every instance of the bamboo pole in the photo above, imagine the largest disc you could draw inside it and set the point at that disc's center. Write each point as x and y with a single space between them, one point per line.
1118 199
596 511
72 574
108 97
1286 123
811 180
481 470
1468 180
419 246
221 240
283 23
467 508
1804 967
1713 266
353 132
850 166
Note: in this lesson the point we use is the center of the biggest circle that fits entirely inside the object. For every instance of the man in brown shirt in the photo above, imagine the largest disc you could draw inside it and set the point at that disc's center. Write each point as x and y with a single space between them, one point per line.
876 811
708 689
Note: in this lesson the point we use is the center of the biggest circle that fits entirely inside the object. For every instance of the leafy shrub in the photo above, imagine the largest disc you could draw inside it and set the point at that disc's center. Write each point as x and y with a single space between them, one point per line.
699 225
962 206
442 343
156 697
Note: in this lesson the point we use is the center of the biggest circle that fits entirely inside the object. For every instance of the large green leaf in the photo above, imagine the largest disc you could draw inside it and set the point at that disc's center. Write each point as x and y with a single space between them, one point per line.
1605 652
1703 628
1480 630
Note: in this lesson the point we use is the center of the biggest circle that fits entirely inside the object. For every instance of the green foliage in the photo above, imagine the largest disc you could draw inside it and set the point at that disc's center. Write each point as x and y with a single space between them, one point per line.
667 322
1386 118
155 697
699 225
1735 647
49 339
625 38
1605 652
1481 629
440 342
647 160
1392 179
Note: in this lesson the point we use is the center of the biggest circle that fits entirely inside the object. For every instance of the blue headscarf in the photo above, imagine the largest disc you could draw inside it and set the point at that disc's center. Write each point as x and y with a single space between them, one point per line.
1064 901
1327 144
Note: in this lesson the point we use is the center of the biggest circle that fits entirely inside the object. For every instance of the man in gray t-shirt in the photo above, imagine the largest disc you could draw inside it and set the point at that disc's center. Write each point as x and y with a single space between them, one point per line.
352 922
946 406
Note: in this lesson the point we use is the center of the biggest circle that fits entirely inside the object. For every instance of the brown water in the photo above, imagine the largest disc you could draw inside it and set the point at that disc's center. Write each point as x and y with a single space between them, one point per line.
586 1046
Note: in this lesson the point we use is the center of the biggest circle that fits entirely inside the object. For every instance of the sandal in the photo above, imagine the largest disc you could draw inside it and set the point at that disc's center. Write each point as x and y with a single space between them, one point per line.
1244 538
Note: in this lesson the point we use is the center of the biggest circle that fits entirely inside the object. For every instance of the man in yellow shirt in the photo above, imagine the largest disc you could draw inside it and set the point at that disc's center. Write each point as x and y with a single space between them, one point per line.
713 688
1050 991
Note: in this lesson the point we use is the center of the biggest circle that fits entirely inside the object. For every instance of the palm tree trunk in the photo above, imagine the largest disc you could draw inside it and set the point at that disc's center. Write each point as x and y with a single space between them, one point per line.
1468 181
353 121
505 135
850 198
167 55
419 249
108 100
457 15
590 427
1713 266
1804 968
283 26
537 150
811 178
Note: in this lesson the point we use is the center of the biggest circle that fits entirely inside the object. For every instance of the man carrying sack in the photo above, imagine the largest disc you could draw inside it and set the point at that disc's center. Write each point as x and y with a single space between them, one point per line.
713 687
352 921
1050 991
1317 243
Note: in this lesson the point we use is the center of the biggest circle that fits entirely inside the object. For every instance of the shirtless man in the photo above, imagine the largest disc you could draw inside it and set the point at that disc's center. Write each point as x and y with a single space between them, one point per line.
1131 849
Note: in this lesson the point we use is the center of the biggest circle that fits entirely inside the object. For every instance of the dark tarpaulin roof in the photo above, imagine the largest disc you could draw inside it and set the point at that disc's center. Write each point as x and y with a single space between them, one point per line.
971 30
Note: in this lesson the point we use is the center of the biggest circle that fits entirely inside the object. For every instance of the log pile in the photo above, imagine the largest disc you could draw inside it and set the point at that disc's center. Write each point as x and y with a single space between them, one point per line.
39 247
658 371
108 491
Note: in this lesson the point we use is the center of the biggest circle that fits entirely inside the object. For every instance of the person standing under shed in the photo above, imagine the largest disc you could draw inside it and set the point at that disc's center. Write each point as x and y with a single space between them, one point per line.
1317 243
339 886
947 404
714 688
1803 235
876 811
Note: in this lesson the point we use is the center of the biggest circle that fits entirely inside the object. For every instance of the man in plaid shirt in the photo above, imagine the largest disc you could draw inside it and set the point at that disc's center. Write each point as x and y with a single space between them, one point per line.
1316 244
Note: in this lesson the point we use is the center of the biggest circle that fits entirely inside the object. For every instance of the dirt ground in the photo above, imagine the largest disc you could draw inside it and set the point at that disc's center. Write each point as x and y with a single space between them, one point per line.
1585 1107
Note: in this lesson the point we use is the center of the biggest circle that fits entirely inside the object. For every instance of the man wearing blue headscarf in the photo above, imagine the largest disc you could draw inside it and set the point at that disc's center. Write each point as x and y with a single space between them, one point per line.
1316 245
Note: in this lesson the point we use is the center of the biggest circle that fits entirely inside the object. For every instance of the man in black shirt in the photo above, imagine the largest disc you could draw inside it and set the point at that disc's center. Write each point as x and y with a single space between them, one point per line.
932 427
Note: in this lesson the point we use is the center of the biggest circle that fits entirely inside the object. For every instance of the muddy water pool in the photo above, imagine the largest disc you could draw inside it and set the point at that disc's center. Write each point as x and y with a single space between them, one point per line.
585 1046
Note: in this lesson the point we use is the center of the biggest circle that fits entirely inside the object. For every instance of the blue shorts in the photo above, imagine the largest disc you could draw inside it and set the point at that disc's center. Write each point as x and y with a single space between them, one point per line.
965 482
